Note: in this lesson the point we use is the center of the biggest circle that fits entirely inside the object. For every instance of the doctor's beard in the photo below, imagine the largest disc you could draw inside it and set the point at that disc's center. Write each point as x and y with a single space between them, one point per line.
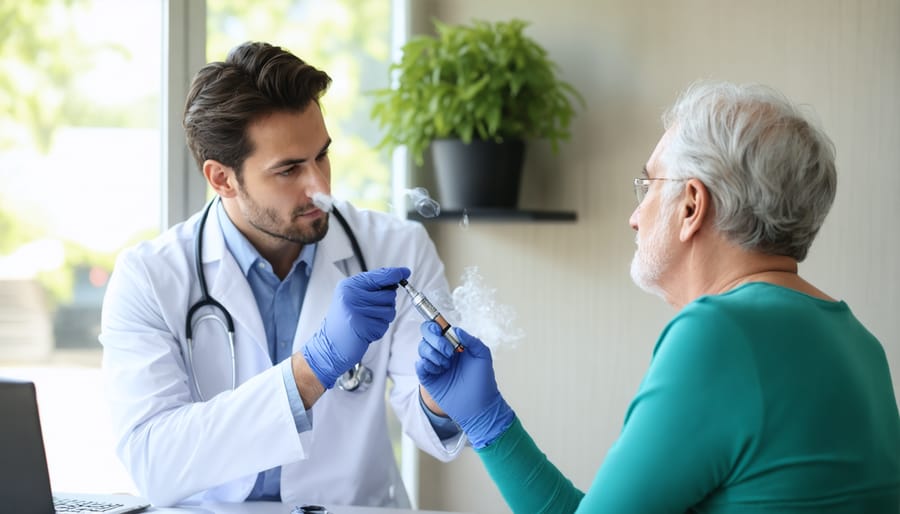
270 223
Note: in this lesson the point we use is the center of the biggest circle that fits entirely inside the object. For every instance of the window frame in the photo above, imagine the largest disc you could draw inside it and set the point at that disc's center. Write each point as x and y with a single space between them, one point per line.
184 52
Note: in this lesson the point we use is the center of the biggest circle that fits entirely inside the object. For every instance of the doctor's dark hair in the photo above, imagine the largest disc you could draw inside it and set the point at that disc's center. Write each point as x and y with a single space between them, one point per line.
769 169
255 80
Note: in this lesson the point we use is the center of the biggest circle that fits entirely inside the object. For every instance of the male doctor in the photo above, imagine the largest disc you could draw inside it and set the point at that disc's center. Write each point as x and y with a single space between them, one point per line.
268 419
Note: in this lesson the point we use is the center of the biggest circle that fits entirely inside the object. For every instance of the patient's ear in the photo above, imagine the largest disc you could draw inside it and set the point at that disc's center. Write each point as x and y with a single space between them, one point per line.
694 209
221 178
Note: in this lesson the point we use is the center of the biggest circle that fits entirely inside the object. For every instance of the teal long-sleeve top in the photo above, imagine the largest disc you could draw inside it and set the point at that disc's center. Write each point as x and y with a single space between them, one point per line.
761 399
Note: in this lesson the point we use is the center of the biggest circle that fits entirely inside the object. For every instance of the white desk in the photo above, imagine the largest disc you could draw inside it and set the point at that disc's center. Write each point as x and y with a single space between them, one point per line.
276 508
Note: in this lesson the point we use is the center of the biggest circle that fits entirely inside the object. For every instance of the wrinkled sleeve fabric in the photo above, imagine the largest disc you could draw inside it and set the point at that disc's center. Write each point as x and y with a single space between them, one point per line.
444 427
301 415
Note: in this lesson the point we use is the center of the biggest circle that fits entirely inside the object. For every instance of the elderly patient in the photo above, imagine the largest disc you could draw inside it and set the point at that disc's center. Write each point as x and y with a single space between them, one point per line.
764 393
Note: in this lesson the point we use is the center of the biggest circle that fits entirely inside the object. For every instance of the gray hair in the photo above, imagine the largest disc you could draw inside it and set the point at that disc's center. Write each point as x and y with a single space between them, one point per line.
769 170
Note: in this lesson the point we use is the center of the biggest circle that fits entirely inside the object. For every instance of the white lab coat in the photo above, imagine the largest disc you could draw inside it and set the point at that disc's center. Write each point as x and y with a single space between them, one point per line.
178 448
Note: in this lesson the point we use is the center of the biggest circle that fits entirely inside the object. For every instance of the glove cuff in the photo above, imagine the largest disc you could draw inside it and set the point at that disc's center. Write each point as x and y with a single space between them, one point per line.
485 427
319 359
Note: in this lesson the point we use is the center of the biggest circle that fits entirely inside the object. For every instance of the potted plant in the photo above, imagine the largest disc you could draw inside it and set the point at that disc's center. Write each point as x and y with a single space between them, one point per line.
475 94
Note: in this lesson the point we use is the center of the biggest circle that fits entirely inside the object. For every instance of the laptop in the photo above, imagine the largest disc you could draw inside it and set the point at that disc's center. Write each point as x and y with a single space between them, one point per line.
24 477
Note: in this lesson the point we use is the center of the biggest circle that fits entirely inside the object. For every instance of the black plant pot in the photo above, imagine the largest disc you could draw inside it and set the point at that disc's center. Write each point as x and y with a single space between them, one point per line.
480 174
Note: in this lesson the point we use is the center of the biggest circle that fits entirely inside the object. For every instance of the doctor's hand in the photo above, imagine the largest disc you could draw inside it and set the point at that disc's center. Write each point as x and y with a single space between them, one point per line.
463 384
361 310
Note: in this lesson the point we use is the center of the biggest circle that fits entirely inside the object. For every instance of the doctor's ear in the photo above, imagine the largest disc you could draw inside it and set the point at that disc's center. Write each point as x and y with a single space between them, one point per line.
221 178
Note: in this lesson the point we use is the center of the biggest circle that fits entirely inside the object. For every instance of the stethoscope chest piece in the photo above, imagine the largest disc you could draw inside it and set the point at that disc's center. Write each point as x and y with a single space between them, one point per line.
358 378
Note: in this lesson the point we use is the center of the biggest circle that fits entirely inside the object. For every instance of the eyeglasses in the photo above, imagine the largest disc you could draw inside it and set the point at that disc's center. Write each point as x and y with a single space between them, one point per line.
642 186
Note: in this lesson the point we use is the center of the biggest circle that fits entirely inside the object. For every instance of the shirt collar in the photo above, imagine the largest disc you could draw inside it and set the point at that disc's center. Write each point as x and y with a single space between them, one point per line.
246 254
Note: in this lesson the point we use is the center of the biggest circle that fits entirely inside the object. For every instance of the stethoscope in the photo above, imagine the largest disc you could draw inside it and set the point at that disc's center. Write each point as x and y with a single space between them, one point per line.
358 378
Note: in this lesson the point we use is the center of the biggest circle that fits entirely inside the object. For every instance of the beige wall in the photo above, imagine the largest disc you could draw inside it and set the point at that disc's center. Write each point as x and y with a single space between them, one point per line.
589 330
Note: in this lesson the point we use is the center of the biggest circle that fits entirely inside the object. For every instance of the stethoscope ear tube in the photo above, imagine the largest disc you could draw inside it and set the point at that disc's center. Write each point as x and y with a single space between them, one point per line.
353 242
205 298
358 377
207 301
190 348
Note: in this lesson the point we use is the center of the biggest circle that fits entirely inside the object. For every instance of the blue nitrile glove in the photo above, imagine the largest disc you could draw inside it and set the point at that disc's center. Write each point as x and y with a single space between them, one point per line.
463 384
362 308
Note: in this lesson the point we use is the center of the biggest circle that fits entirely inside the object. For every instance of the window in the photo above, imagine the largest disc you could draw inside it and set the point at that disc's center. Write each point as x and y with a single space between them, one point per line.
86 169
348 39
79 180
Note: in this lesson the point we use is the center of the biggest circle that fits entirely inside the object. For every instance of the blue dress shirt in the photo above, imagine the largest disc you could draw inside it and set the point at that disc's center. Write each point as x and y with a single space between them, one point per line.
279 303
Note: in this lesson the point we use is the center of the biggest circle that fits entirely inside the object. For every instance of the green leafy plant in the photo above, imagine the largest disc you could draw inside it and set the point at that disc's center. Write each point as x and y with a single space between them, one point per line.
484 81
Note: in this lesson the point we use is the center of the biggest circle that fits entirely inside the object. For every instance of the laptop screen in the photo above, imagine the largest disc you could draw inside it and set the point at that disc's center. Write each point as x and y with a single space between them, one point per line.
24 479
